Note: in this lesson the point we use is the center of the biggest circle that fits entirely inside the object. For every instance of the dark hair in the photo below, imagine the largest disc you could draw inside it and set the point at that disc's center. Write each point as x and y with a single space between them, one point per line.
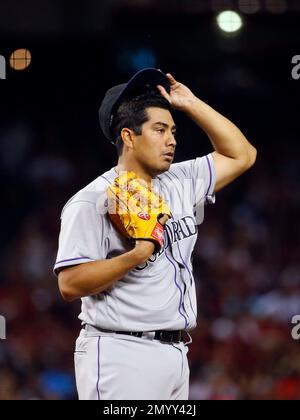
132 114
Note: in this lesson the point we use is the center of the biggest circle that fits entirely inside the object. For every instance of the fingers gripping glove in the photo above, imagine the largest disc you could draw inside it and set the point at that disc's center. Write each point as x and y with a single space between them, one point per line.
135 210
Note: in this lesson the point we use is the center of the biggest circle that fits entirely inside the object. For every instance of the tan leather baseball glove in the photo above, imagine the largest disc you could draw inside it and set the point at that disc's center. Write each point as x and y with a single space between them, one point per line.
136 211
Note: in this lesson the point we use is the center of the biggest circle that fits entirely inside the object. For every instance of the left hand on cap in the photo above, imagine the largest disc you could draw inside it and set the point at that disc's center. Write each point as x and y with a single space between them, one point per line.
180 96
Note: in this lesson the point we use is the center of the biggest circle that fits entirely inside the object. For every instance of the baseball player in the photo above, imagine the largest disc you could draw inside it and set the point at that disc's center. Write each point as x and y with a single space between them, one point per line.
127 238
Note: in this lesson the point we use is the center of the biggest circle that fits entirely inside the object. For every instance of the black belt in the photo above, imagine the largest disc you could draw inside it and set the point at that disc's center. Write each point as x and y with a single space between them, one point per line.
161 335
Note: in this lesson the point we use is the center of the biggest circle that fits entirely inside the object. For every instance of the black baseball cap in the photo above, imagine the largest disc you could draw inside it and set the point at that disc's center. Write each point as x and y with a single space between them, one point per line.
147 78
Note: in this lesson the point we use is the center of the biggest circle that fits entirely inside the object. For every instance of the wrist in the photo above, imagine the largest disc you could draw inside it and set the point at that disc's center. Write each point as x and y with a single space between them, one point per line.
191 103
142 251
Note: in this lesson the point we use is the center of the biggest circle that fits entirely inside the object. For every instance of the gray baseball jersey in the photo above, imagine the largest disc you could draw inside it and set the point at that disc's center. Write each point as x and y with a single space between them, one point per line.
160 294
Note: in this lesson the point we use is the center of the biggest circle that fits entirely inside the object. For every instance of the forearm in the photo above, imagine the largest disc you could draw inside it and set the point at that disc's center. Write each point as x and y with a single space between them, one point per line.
94 277
225 137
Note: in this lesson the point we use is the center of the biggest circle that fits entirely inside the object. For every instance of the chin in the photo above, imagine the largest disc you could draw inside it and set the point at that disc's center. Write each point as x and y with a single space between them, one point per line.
162 169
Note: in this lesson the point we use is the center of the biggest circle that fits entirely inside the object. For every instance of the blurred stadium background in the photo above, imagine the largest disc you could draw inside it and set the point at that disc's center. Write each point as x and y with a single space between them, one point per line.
247 259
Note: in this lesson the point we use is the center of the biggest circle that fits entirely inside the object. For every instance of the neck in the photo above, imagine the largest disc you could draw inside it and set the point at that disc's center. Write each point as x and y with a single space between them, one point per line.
133 166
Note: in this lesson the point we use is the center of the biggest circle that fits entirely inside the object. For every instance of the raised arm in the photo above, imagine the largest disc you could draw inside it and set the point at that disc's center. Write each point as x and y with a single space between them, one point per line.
233 153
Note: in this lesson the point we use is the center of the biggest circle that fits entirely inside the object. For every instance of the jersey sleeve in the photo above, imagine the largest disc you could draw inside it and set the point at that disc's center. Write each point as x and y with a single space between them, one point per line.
202 175
82 236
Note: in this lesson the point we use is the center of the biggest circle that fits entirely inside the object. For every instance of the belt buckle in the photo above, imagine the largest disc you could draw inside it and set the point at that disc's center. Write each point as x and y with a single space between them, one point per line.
180 337
131 333
176 337
136 334
167 337
164 338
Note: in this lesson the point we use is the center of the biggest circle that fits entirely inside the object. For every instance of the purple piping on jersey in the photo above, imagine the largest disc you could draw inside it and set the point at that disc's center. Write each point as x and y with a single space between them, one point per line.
73 259
210 176
189 275
177 285
188 321
97 386
183 262
101 176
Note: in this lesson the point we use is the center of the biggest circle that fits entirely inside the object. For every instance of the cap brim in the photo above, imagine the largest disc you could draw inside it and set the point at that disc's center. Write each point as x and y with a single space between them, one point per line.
149 77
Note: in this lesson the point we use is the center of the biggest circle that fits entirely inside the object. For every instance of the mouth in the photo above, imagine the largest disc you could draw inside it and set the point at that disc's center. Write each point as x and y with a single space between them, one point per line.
169 156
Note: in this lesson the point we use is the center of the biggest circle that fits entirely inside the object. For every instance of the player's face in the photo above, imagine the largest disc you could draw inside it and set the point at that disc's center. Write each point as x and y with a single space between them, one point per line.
155 147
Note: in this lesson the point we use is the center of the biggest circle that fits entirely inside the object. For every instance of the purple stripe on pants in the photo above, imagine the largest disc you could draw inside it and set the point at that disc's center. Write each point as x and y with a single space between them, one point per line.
98 390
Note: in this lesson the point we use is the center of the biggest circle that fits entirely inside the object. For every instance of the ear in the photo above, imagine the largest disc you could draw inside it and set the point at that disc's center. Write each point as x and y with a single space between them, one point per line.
127 137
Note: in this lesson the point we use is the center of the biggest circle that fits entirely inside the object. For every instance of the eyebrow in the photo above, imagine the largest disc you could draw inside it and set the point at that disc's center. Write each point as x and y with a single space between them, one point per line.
174 127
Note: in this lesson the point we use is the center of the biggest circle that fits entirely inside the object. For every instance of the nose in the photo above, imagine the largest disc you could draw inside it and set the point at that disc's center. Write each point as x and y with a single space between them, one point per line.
171 141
